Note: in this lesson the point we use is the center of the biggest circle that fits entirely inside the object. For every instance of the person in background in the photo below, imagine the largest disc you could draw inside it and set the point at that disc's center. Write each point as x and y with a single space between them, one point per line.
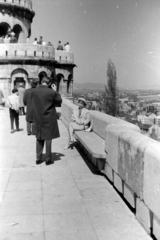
35 41
49 44
44 43
29 112
59 47
154 131
40 40
80 121
44 100
13 38
64 48
21 91
67 48
13 103
1 98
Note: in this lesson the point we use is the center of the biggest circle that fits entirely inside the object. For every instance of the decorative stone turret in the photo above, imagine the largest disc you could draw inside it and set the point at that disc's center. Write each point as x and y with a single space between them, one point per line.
21 61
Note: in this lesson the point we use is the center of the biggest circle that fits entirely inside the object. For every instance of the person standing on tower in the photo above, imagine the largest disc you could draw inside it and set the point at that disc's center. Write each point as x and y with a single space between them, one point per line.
59 47
67 48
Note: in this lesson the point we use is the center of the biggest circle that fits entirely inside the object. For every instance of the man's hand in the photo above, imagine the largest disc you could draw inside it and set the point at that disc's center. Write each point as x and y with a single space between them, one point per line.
53 86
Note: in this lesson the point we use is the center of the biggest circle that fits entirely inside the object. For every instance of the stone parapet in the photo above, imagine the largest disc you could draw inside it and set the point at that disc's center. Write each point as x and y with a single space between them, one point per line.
132 164
64 57
22 3
24 51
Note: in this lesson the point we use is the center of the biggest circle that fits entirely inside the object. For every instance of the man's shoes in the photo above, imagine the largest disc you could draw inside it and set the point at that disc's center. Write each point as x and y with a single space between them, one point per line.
28 134
39 162
12 130
49 162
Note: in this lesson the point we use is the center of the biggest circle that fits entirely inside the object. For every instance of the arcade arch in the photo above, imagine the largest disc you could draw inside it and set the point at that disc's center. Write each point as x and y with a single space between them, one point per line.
41 75
17 29
4 28
18 76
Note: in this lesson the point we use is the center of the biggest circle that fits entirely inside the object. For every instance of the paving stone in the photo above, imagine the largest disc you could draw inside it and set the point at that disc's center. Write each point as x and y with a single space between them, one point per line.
80 234
23 186
71 221
26 207
25 236
21 224
156 227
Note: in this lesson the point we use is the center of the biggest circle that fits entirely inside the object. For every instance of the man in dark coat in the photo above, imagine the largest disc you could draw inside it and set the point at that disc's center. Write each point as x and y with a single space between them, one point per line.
29 111
44 101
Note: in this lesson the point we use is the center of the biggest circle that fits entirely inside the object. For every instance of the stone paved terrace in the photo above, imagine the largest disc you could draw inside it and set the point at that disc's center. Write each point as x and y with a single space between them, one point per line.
64 201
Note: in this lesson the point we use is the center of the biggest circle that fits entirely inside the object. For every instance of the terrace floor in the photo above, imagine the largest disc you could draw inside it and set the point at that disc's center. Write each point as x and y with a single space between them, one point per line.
63 201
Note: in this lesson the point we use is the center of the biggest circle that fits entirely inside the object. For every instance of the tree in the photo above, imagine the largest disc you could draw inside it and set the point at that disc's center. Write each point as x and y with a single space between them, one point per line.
111 99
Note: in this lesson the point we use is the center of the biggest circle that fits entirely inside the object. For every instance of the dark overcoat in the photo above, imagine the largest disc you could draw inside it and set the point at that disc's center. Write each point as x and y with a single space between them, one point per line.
28 103
44 100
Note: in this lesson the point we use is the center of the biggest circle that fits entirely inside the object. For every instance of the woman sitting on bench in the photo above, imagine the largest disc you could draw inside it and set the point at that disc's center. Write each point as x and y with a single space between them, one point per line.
80 121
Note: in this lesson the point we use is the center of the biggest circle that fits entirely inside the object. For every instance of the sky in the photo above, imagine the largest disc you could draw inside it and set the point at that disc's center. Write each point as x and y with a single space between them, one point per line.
125 31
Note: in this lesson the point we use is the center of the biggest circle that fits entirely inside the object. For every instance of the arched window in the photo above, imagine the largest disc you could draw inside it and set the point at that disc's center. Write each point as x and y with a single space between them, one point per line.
41 75
4 28
17 29
18 76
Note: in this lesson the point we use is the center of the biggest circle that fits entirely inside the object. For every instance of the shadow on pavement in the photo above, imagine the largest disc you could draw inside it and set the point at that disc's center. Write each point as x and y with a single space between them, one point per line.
55 156
89 164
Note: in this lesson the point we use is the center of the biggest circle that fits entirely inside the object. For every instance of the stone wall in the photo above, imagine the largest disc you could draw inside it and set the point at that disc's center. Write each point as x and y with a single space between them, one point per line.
132 165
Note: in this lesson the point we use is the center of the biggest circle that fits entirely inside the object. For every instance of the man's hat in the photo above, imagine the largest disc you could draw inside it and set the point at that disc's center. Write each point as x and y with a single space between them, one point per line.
83 100
34 82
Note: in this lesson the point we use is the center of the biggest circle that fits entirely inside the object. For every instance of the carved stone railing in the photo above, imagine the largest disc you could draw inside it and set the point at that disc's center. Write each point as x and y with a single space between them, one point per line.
16 51
22 3
64 57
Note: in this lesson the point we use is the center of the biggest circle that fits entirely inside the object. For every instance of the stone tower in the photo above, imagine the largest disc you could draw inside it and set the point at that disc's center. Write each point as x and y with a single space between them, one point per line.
20 60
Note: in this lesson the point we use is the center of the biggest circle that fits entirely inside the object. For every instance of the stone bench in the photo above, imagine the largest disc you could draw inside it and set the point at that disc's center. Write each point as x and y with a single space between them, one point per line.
93 146
93 143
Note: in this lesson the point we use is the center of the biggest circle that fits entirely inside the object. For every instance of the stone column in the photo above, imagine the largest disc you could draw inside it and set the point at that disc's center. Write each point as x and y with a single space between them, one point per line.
71 88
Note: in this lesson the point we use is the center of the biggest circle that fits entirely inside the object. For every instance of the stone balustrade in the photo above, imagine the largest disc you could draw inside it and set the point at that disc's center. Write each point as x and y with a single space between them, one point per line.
22 3
16 51
132 165
64 57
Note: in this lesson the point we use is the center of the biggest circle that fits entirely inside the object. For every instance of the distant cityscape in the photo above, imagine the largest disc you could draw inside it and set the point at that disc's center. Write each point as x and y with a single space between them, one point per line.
140 107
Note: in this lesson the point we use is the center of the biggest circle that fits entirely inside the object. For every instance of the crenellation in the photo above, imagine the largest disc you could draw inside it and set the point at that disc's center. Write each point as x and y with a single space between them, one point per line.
22 3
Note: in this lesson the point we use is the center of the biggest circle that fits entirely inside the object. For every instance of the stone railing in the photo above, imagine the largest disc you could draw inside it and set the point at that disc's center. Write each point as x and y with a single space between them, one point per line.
132 164
25 51
22 3
64 57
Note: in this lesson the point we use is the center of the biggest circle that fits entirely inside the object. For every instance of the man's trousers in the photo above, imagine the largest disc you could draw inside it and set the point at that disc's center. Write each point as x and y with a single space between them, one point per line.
14 116
39 149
